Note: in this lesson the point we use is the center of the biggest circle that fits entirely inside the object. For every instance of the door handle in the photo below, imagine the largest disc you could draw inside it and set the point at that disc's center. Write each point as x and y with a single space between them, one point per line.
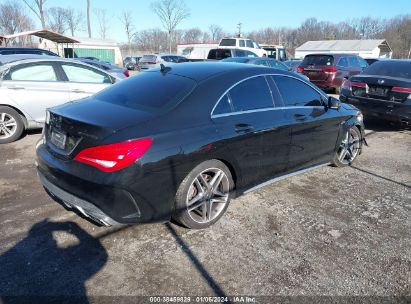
77 91
15 88
300 117
243 128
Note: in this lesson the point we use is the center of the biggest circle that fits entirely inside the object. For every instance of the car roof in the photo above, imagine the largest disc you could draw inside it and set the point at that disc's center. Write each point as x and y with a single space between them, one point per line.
4 59
200 71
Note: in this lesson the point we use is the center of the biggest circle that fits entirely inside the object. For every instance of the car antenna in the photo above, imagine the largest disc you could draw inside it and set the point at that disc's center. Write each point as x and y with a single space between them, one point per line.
164 69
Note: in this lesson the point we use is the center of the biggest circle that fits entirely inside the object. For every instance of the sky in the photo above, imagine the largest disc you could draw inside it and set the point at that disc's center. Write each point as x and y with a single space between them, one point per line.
253 15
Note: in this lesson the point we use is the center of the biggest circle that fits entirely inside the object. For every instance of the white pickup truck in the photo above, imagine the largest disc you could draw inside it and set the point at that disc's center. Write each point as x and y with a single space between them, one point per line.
244 44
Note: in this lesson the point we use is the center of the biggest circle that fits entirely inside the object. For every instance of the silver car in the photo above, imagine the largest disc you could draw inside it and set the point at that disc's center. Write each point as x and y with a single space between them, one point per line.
29 84
154 60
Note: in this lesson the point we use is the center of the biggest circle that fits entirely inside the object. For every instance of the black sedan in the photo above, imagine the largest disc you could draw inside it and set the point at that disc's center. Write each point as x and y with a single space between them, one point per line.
181 141
382 91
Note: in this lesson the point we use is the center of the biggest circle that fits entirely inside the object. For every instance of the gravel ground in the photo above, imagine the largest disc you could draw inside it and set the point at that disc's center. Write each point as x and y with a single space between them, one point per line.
331 232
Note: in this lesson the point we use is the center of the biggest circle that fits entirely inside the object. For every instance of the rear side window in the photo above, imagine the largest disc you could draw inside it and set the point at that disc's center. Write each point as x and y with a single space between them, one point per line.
38 72
251 94
320 60
142 91
228 42
278 65
242 43
85 75
224 106
249 44
343 62
295 93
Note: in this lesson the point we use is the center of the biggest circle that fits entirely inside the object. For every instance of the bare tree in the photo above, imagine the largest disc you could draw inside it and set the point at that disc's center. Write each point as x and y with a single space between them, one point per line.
57 19
171 13
13 18
216 32
37 6
74 20
193 35
101 15
127 20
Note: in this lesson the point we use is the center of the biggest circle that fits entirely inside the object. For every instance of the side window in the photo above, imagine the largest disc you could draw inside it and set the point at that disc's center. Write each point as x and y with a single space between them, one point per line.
342 62
38 72
242 43
249 44
249 54
363 63
77 73
240 53
223 107
296 93
263 62
251 94
353 62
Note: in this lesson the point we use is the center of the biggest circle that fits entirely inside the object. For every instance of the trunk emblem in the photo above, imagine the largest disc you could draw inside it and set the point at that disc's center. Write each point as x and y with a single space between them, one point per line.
381 81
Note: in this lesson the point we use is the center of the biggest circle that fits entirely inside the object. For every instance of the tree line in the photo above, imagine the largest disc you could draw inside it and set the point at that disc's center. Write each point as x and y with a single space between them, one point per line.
14 18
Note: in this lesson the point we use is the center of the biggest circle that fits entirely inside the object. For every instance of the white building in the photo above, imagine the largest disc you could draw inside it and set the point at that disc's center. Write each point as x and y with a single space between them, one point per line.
378 48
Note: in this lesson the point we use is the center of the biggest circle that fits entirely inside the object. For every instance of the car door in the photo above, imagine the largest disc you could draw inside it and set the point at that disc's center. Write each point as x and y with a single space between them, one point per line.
251 127
314 128
84 81
34 87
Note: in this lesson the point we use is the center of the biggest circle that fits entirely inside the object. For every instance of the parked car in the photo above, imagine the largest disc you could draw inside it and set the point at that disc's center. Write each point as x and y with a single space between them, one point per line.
154 60
25 51
243 44
209 134
108 67
327 71
131 63
293 64
29 84
382 91
269 62
219 54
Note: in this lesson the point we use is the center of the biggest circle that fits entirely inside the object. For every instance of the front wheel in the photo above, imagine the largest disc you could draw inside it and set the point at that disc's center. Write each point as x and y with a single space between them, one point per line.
349 148
11 125
204 195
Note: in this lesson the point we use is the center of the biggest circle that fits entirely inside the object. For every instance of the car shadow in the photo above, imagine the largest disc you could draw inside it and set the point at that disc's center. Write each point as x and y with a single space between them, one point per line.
38 270
382 126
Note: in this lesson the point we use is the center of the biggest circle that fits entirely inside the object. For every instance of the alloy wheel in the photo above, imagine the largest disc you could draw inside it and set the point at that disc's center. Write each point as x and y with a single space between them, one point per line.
8 125
349 148
208 195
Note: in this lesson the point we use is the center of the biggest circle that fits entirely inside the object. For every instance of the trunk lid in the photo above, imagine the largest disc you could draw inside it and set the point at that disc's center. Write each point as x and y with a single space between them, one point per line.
380 87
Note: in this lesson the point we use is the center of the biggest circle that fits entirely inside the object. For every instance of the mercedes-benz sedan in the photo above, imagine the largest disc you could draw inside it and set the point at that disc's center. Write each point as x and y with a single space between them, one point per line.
180 142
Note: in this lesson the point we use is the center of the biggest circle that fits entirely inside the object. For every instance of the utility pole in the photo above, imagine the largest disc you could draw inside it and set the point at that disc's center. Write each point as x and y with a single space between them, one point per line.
239 29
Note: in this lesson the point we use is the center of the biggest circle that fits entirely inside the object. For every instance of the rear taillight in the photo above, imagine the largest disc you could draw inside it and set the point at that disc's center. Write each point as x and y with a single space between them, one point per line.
401 90
358 84
126 73
329 70
114 157
300 70
346 84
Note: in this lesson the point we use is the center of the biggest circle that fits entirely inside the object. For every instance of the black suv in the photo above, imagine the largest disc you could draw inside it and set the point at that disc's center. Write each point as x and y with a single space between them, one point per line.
33 51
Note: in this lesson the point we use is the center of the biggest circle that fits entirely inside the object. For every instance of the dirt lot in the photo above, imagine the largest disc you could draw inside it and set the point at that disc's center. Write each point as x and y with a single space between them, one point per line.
332 232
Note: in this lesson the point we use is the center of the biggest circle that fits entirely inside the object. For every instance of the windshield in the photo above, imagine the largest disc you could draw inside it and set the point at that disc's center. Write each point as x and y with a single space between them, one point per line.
400 69
148 91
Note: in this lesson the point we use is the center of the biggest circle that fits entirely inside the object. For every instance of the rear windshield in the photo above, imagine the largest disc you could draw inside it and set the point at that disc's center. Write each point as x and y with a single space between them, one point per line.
148 91
400 69
228 42
149 58
318 60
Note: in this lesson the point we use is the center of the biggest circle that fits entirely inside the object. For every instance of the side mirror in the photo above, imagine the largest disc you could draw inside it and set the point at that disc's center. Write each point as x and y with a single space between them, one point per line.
333 103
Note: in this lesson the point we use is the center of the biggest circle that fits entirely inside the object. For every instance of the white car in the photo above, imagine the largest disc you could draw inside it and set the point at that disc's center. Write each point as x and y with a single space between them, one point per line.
29 84
244 44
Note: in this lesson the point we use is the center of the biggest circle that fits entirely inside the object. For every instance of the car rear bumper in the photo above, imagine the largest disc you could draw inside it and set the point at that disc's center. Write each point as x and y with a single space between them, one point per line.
71 201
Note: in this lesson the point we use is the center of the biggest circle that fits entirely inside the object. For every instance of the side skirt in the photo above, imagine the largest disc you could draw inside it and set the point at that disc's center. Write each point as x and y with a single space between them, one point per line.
271 181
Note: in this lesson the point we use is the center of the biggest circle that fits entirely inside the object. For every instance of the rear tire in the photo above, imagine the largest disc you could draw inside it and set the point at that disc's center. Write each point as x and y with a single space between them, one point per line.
11 125
349 148
204 195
